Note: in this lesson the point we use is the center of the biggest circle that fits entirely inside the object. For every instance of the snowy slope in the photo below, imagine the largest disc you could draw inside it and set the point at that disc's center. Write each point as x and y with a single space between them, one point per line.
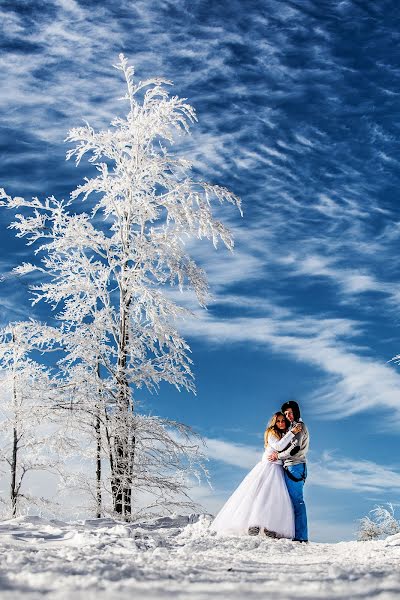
179 558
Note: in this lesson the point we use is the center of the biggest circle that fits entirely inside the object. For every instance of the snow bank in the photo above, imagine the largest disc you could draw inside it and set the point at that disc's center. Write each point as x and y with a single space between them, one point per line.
102 559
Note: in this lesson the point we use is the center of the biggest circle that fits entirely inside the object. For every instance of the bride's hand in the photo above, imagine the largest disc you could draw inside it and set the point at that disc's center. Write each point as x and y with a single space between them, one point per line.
297 428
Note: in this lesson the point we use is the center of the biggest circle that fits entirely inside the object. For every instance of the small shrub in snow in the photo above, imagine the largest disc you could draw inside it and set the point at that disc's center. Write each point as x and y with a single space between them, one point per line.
379 523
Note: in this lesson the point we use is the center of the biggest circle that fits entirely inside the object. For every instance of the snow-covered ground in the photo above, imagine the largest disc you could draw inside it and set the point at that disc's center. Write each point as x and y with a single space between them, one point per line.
180 558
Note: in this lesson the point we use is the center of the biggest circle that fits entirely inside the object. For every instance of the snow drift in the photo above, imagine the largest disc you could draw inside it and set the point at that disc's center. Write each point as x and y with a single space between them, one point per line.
179 557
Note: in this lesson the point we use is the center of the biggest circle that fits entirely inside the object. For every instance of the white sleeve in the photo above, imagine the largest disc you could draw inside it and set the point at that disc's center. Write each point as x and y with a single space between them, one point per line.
281 444
286 453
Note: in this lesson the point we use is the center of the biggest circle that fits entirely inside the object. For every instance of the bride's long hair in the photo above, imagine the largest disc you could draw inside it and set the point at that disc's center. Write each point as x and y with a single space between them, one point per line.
272 427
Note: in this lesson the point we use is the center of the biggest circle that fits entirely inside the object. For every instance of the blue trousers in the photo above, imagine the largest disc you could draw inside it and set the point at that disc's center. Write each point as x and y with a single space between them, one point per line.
295 489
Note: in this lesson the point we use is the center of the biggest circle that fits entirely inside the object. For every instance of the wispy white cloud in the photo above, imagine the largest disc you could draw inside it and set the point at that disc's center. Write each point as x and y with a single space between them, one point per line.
237 455
341 473
330 470
351 282
354 381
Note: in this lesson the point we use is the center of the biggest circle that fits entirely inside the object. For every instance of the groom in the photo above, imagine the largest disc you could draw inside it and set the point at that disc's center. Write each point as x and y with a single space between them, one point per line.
295 467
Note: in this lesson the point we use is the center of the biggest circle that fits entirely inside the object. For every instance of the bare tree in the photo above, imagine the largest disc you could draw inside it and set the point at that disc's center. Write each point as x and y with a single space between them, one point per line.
28 436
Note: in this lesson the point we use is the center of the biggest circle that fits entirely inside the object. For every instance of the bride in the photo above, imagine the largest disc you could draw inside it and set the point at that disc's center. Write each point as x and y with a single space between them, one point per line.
261 502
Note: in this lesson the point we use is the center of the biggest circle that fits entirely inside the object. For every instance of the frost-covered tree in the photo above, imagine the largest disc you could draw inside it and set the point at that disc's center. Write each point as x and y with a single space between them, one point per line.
379 523
84 402
112 267
168 460
28 440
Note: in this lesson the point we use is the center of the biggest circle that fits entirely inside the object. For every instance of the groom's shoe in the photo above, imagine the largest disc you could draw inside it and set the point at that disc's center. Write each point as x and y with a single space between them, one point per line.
254 530
270 534
300 541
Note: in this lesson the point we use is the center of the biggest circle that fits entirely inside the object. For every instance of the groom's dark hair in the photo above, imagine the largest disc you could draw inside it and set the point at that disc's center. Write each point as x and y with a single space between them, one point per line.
294 406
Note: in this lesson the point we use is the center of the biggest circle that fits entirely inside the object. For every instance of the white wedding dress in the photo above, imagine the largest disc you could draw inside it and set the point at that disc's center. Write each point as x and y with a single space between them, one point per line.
261 499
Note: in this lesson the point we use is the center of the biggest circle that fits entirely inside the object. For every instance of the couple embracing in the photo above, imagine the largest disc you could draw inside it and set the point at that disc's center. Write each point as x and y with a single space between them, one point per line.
270 498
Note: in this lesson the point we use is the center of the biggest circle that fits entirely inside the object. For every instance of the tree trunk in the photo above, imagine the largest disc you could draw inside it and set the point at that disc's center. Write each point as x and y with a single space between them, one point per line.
109 443
123 447
98 447
122 478
98 467
14 490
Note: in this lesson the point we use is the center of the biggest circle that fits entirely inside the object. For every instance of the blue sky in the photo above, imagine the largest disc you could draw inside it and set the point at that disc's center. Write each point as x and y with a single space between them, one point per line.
298 107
